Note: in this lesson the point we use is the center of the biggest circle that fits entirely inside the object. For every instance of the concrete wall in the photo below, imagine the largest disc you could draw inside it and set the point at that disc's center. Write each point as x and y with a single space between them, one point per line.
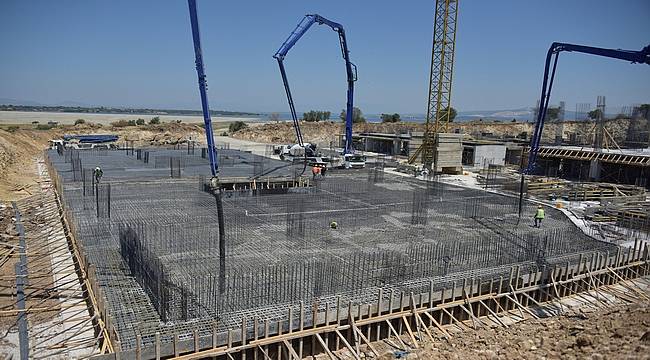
489 154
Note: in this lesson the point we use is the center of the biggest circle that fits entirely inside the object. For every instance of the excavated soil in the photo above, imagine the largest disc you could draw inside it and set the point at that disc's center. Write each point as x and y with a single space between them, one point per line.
616 332
322 133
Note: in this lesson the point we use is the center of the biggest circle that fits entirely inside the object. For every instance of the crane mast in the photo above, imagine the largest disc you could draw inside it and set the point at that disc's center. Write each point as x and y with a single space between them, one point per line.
440 78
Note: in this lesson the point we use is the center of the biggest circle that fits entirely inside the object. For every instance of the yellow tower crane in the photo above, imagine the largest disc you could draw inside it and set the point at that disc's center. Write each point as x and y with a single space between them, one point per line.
440 79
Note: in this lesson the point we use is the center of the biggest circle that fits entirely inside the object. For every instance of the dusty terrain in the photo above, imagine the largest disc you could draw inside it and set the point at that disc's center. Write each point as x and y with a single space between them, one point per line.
324 132
19 146
616 332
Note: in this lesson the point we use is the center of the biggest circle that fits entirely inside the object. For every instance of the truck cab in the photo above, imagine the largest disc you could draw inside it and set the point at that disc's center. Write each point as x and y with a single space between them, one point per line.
354 161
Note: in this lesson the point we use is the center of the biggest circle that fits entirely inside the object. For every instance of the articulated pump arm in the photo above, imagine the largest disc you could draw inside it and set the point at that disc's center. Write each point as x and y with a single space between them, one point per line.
635 57
350 68
212 150
203 89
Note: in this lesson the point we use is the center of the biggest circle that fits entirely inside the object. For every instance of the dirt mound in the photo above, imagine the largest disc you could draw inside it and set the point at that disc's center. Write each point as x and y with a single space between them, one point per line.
317 132
20 146
623 131
17 152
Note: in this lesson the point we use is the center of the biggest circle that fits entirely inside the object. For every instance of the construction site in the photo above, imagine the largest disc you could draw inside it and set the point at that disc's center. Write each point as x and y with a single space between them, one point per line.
433 240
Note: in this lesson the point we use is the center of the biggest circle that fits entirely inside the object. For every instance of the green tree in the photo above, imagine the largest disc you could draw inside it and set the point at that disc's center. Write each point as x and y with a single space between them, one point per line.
452 113
236 126
314 116
154 120
390 118
594 114
357 116
140 122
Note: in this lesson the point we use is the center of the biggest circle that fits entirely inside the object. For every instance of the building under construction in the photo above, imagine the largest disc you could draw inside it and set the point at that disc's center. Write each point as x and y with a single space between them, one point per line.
150 232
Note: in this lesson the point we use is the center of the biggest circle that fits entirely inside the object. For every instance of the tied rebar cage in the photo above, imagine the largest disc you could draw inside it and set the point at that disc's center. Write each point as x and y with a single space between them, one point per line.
155 244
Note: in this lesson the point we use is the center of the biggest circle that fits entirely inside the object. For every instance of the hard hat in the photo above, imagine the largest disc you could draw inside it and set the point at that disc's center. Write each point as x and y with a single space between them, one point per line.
539 206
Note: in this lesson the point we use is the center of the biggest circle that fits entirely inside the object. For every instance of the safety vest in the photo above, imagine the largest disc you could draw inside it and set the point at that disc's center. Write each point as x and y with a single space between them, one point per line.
539 214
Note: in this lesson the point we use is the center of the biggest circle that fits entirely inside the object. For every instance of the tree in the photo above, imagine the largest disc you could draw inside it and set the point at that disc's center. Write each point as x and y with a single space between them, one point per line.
390 118
139 122
79 121
594 114
313 116
154 120
357 116
275 117
236 126
452 113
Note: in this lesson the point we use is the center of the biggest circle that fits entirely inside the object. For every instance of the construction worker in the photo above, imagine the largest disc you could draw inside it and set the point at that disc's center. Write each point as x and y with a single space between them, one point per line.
334 225
539 216
315 172
323 170
98 173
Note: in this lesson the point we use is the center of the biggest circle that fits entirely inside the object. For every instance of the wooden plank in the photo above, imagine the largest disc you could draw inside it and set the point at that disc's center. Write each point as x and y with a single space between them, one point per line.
322 343
410 332
347 344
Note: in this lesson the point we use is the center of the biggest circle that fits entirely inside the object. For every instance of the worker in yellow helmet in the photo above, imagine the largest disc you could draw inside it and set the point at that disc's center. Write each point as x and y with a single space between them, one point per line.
539 216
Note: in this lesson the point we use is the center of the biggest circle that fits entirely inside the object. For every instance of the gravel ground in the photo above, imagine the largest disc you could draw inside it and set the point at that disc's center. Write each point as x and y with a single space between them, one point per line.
620 331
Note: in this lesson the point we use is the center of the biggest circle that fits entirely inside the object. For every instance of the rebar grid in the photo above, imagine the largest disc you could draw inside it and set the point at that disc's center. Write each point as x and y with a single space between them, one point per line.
157 256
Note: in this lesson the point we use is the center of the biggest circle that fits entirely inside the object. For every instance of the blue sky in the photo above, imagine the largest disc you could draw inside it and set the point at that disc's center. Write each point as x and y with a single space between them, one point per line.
139 53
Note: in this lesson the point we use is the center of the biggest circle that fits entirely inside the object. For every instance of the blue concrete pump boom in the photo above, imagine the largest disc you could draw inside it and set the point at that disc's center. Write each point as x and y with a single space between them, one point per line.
350 68
203 89
635 57
212 150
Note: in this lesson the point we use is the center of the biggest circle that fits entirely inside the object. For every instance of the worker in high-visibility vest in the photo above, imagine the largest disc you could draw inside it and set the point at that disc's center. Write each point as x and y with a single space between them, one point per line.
539 216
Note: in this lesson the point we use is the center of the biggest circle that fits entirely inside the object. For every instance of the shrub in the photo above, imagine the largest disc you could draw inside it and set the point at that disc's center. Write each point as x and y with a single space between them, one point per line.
123 123
45 127
79 121
12 128
390 118
179 121
35 122
224 133
140 122
154 120
236 126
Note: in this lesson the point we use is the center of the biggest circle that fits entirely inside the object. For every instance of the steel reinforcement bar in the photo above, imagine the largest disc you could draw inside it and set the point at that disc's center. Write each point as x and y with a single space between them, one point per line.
104 330
350 325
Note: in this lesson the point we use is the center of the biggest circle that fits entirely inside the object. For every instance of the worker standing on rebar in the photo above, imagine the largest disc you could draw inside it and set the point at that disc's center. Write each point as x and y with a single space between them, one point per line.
315 171
98 173
539 216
